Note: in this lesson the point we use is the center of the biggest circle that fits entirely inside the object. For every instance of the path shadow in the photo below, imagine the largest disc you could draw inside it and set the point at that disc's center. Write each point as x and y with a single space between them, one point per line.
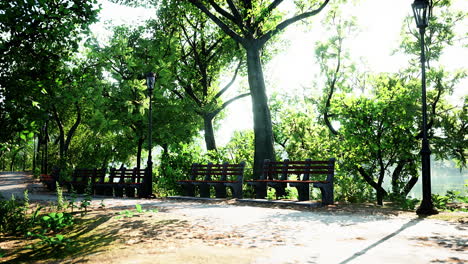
407 225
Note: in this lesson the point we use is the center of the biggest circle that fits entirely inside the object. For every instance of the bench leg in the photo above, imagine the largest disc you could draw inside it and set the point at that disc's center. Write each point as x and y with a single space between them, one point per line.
220 190
236 189
204 190
280 188
303 191
99 190
79 188
130 191
139 191
108 191
327 192
260 189
118 191
189 189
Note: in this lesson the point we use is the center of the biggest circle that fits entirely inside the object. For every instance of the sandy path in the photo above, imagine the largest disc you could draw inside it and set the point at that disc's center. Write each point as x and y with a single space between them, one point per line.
296 236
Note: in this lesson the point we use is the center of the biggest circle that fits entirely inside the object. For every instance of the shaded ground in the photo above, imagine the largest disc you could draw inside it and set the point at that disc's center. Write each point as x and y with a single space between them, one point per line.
233 232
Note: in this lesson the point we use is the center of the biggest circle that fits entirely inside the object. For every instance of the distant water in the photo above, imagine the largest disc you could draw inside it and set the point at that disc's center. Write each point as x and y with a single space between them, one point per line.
444 177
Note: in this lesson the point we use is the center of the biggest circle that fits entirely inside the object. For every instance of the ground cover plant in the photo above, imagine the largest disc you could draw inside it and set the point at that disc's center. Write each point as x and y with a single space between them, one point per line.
86 104
49 231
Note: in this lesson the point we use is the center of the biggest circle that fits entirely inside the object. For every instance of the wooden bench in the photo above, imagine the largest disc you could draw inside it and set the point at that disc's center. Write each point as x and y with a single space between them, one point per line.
279 174
119 181
220 176
81 177
49 180
122 180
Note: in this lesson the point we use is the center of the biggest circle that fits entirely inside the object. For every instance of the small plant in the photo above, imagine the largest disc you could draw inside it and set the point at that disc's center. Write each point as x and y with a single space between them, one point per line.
12 216
271 194
72 199
26 199
102 205
126 213
447 202
57 241
291 194
60 200
56 221
456 196
86 202
403 202
138 209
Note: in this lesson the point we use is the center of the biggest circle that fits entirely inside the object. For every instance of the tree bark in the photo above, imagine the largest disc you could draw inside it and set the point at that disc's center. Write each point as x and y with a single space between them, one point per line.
380 191
263 130
73 129
409 185
140 147
209 132
64 143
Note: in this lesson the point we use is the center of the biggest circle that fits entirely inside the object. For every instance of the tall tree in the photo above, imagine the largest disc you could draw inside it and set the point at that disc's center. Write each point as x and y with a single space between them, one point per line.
203 52
252 24
130 54
376 145
37 38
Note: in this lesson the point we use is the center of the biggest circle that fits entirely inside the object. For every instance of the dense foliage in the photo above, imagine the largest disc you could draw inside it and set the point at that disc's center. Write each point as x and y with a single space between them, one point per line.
67 100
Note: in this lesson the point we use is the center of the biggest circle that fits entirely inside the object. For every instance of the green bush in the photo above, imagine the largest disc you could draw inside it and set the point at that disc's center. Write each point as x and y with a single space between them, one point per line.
446 202
55 221
13 217
403 202
291 194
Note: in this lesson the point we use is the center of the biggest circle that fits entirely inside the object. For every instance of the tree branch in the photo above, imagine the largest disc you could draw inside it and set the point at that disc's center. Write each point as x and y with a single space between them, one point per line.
235 12
267 11
229 102
222 91
290 21
74 127
371 182
218 21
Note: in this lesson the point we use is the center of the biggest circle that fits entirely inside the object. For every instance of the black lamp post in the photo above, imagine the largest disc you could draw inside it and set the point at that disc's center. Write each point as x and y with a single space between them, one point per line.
421 13
149 175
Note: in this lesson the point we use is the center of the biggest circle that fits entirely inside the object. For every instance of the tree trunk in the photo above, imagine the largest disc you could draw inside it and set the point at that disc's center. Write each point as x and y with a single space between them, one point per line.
12 162
34 155
64 143
409 185
209 132
380 196
140 147
261 113
378 187
164 158
25 160
2 161
396 176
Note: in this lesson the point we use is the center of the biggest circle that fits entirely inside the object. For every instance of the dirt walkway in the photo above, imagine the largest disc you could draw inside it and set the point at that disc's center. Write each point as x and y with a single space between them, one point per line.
229 232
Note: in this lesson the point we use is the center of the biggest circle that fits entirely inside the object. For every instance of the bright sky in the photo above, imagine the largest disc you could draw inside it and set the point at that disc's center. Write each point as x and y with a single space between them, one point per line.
380 23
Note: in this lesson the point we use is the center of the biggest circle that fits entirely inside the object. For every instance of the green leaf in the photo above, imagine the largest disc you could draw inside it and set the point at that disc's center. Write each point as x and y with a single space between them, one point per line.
36 104
138 208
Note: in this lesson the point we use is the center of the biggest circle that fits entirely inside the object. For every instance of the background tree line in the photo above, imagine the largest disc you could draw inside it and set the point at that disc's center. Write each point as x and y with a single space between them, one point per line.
70 101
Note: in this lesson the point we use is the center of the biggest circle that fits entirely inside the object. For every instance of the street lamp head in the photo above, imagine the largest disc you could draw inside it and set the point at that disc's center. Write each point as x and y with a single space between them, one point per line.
150 80
421 13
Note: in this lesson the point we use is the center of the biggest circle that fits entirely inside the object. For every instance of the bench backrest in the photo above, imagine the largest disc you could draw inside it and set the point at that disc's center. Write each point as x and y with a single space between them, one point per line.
124 175
83 175
280 170
222 172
